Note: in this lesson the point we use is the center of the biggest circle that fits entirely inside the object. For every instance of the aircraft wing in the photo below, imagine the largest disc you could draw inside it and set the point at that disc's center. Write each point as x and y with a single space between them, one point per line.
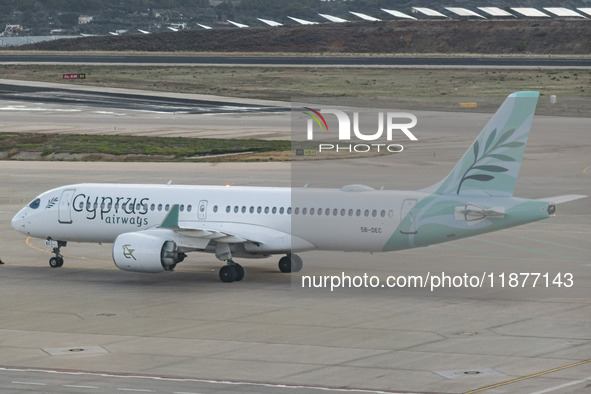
256 238
218 233
203 230
562 199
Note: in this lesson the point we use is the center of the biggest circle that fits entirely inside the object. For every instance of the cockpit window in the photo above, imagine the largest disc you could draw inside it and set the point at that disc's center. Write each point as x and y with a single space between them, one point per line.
35 204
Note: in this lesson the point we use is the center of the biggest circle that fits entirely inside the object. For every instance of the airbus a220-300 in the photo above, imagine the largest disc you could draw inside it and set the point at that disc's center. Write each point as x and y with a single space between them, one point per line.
153 227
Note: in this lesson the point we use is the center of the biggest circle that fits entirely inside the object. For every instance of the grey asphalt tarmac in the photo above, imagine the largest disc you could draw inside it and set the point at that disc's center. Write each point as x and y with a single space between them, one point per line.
58 108
88 327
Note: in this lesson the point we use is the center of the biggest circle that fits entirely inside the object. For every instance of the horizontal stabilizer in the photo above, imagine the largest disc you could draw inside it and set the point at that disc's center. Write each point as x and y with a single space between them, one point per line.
561 199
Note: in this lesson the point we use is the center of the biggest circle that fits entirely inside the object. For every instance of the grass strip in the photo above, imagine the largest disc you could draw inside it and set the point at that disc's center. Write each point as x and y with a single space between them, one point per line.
17 146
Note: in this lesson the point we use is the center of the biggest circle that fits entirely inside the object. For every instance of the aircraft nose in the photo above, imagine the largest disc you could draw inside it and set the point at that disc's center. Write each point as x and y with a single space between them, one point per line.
18 222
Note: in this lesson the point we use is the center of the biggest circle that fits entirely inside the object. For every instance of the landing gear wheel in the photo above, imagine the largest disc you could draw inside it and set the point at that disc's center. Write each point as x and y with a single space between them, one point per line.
285 264
290 263
296 263
239 272
56 262
228 274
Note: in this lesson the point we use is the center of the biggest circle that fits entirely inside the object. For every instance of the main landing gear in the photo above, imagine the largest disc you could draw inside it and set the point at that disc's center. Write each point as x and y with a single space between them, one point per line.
58 260
233 272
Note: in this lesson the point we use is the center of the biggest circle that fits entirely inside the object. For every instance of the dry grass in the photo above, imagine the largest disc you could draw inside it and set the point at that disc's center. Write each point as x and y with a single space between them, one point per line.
283 83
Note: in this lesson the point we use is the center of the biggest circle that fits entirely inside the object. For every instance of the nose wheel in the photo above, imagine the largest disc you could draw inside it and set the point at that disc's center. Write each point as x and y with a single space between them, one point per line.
58 260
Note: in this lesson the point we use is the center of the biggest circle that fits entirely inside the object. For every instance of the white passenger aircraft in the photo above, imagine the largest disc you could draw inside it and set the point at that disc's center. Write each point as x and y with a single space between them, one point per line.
153 227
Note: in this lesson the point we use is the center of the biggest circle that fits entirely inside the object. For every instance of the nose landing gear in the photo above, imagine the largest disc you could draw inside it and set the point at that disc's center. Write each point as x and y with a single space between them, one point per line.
58 260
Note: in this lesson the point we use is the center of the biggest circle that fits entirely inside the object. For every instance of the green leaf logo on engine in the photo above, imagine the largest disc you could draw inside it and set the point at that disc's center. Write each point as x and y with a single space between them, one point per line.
127 252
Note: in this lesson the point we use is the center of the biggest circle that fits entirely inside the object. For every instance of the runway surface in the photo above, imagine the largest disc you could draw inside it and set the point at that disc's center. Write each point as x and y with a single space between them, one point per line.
446 61
126 101
58 108
88 327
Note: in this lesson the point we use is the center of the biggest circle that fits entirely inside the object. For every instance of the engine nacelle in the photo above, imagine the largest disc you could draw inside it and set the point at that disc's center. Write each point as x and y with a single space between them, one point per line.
140 252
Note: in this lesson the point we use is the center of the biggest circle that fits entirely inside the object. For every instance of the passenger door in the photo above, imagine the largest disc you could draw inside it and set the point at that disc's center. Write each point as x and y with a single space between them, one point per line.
65 206
408 227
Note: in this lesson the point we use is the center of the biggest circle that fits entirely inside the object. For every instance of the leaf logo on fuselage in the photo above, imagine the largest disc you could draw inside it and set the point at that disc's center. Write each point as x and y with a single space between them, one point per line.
51 203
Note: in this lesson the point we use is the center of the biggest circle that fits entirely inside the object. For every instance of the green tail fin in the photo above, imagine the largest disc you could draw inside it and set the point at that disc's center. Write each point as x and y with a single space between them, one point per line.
491 165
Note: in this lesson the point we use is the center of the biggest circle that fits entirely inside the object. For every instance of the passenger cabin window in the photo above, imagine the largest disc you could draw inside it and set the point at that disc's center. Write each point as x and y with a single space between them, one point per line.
215 208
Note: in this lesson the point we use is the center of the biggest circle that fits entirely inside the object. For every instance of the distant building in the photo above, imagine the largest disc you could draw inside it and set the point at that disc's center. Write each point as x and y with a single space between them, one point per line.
11 30
84 19
178 26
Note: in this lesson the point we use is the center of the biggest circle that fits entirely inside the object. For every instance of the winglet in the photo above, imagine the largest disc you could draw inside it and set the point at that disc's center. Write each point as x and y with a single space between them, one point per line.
172 219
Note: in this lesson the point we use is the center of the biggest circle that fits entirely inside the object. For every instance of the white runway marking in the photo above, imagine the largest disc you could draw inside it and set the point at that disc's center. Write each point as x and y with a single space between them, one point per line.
29 383
561 386
168 379
74 386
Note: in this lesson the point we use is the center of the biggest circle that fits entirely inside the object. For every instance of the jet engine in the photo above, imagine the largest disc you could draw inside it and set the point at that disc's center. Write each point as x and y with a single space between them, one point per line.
140 252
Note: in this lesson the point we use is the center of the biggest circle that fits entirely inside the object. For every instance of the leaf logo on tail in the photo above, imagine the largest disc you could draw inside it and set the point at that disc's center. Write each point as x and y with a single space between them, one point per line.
490 152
